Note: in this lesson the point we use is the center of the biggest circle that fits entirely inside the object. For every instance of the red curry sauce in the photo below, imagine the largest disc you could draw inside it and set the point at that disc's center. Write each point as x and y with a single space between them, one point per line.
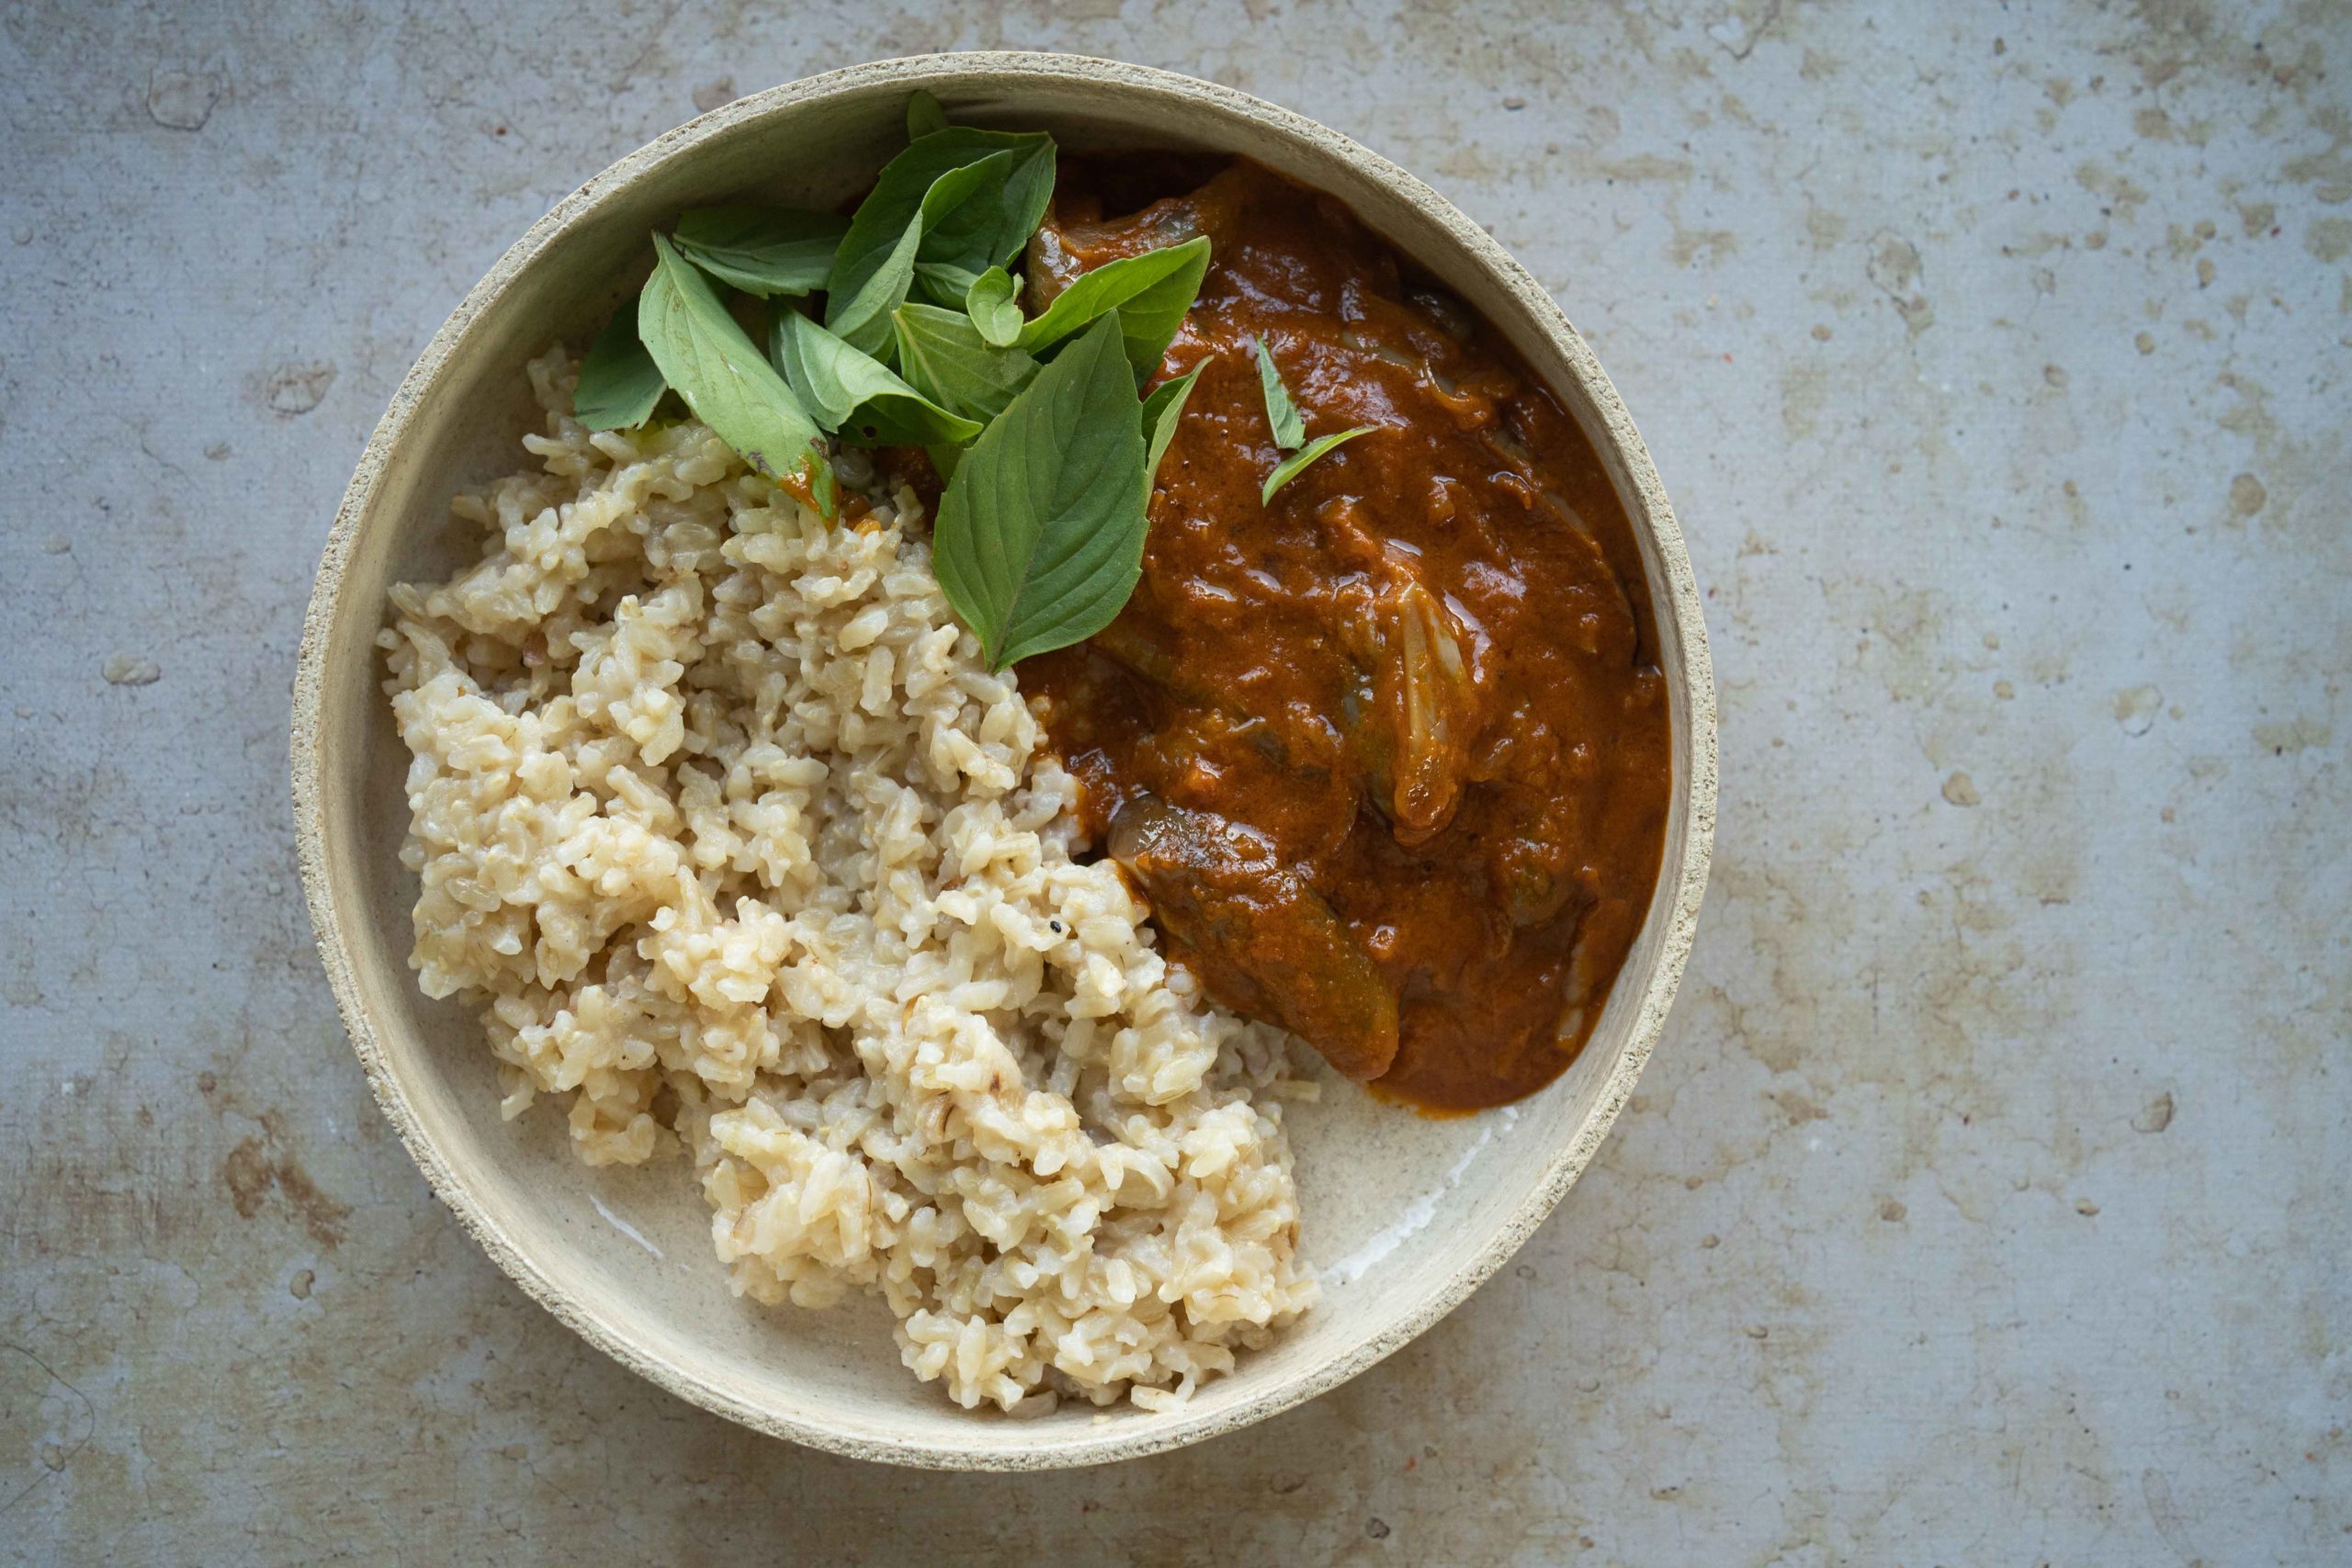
1389 754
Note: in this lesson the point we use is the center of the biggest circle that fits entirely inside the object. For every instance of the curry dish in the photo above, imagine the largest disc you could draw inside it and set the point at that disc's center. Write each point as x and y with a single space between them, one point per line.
946 871
1389 753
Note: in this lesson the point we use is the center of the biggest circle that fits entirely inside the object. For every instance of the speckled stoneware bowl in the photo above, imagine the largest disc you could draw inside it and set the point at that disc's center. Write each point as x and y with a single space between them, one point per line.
1403 1215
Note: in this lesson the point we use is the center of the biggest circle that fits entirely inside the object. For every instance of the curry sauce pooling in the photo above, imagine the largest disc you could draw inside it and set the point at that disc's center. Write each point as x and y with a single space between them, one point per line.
1388 754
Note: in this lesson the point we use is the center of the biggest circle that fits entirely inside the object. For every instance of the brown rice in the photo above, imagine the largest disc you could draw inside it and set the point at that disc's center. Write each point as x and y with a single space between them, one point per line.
722 822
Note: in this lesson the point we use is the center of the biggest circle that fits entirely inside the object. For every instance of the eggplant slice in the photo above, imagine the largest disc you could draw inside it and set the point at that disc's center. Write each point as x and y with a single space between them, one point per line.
1264 942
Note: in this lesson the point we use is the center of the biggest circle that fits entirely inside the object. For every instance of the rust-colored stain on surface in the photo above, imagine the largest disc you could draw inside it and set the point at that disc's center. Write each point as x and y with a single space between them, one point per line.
256 1170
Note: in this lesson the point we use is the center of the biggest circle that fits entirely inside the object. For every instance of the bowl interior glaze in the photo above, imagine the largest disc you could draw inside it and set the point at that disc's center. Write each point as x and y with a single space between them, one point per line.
1403 1214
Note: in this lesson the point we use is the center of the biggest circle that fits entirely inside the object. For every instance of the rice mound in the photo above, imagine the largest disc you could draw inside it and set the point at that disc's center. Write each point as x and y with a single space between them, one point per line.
722 822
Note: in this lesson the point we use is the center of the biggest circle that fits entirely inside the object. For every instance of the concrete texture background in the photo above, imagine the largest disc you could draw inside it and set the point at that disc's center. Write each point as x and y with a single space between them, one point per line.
1987 1201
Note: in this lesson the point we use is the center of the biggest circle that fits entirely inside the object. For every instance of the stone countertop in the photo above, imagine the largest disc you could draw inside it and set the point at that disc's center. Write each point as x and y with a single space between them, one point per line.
1985 1203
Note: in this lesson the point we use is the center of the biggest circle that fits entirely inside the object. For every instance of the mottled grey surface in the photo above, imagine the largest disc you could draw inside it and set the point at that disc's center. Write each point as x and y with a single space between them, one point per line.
1985 1203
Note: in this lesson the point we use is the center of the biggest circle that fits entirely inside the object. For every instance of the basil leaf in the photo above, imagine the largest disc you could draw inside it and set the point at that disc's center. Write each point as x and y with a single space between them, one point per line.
861 316
991 302
923 115
1011 209
1161 412
1019 203
964 214
730 387
1039 539
1290 467
764 250
944 283
1290 430
943 355
620 383
856 394
1150 292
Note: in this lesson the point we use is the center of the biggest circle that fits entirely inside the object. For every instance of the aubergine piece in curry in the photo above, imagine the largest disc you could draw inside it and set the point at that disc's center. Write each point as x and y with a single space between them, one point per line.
1389 753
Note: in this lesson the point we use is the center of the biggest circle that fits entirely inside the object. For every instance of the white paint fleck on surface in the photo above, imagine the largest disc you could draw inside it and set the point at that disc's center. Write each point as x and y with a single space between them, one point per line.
123 669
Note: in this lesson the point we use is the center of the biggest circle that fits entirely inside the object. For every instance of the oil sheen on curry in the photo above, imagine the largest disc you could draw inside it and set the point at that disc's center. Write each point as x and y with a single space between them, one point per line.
1388 754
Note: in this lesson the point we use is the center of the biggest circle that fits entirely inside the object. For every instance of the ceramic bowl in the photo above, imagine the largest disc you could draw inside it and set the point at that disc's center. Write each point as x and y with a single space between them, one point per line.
1403 1215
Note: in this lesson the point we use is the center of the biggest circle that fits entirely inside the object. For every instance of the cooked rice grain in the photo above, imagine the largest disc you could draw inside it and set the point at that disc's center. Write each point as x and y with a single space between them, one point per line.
721 820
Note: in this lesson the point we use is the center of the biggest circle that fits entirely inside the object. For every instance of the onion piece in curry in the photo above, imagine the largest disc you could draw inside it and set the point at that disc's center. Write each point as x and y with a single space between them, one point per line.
1388 754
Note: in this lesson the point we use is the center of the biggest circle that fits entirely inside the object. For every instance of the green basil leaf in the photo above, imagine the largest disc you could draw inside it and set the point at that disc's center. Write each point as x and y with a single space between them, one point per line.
620 383
861 317
1039 539
1290 467
764 250
965 214
855 394
943 355
944 283
923 115
1290 430
722 376
1010 208
991 301
1150 292
1161 412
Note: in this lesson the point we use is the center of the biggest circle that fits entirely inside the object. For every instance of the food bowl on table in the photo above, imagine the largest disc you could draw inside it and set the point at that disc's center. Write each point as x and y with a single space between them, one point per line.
1401 1214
